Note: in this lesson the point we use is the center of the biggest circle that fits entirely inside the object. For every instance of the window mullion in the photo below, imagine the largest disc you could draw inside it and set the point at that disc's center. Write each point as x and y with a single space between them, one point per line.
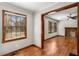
20 26
16 25
11 26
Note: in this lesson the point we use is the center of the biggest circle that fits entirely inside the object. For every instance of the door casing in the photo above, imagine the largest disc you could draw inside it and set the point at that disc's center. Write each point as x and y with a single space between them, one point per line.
57 10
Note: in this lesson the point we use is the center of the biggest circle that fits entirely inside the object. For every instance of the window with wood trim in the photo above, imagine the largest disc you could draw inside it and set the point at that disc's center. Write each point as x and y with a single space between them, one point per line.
14 26
52 27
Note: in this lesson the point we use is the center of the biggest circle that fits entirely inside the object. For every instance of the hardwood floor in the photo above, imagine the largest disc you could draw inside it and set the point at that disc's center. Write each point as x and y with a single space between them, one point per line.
58 46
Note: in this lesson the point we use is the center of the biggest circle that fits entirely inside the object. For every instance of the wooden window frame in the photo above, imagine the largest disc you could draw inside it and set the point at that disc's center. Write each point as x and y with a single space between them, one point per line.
50 27
3 27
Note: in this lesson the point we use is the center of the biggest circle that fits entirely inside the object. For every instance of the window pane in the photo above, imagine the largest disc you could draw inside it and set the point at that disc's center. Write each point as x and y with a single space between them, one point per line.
22 32
8 27
23 21
18 18
13 25
23 26
50 27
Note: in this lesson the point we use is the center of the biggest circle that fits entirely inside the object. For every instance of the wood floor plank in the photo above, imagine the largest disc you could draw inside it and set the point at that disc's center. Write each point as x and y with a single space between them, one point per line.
58 46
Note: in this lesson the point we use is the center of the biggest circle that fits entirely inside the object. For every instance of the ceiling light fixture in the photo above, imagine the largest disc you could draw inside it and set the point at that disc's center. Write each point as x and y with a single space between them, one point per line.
71 17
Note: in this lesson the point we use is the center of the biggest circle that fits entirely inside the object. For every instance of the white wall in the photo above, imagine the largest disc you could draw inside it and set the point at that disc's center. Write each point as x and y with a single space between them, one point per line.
37 22
14 45
66 23
49 35
37 30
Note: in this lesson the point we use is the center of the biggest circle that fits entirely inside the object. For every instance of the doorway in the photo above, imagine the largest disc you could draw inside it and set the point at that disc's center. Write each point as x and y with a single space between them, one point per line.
58 10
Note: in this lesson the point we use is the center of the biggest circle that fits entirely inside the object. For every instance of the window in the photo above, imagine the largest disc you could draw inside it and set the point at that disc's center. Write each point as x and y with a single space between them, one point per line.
52 27
14 26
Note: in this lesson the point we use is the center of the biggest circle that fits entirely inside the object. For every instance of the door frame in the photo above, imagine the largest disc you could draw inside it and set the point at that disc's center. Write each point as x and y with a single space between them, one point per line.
57 10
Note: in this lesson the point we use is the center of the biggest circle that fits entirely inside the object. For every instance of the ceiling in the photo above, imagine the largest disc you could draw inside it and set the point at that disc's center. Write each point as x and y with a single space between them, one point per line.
63 14
34 6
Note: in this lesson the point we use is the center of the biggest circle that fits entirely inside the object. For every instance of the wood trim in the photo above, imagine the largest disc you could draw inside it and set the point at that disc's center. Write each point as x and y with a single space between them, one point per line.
3 28
26 27
3 33
3 41
78 29
42 31
17 50
57 10
10 53
62 8
36 46
60 35
13 12
54 37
